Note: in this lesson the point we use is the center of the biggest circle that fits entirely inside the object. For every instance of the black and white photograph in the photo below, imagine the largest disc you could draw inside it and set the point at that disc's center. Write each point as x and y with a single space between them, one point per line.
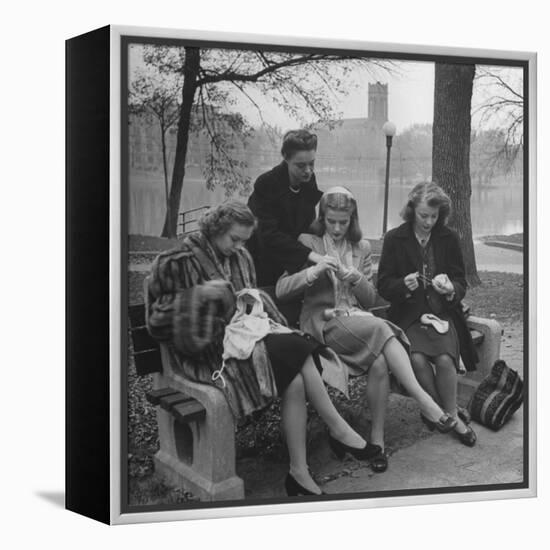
275 275
327 269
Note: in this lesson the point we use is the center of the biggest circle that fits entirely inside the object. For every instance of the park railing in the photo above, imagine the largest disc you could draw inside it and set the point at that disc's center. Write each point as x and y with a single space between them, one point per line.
188 221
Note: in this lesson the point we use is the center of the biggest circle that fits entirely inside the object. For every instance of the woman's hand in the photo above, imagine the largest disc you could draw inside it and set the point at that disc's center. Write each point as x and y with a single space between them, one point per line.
442 284
411 281
326 263
215 289
319 258
348 275
314 257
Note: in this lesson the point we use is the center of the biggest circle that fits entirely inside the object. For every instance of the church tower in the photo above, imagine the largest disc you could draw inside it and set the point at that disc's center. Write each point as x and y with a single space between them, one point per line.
378 103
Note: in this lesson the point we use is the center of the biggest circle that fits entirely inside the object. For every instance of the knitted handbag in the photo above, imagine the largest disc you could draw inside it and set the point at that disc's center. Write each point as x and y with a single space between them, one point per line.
497 397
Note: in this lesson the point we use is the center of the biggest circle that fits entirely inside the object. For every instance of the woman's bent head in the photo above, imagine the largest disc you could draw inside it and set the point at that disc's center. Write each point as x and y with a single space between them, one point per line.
299 150
427 196
338 216
228 226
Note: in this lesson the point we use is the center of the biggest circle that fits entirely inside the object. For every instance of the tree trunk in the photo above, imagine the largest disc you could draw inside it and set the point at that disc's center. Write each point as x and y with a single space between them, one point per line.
451 151
165 171
190 75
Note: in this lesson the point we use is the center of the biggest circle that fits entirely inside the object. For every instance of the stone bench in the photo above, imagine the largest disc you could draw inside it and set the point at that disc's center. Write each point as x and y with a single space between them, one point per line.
196 426
487 335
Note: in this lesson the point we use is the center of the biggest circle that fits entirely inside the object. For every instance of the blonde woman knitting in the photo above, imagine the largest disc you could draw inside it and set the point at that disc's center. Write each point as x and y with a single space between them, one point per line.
337 292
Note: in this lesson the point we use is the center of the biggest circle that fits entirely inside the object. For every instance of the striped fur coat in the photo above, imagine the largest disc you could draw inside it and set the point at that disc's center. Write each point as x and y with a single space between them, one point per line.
193 328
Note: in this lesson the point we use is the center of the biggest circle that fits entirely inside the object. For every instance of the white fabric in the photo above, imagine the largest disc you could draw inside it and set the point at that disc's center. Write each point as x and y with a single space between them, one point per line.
438 324
246 329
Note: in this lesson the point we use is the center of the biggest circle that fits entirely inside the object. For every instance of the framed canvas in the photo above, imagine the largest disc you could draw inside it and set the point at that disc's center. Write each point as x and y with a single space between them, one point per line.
164 127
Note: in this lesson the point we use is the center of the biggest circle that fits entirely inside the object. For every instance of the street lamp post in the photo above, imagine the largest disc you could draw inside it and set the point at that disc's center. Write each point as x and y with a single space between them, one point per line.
389 130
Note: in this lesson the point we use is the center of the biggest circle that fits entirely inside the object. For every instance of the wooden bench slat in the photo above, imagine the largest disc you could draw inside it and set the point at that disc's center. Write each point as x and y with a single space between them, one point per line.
154 396
189 410
184 407
146 349
169 401
148 362
136 315
142 340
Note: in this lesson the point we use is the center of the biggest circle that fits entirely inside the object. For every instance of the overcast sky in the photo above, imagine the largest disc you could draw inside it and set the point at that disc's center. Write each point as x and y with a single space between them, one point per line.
410 98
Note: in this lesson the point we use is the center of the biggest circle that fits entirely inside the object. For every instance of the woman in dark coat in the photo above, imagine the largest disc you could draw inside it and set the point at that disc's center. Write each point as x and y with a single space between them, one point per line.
421 273
191 299
284 201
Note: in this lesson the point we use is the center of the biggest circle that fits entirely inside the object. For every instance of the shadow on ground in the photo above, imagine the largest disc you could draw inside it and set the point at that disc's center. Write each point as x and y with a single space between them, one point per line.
53 497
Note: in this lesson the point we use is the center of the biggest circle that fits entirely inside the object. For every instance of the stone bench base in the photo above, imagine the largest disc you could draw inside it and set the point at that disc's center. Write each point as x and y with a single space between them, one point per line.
197 449
488 350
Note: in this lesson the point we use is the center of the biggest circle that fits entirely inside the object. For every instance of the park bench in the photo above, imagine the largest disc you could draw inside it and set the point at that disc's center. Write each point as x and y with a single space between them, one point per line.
197 429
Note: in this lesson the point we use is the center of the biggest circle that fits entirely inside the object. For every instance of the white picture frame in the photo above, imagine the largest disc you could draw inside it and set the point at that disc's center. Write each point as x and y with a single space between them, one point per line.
117 191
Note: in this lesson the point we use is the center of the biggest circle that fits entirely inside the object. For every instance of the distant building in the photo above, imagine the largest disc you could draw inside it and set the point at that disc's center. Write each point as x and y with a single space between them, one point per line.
355 147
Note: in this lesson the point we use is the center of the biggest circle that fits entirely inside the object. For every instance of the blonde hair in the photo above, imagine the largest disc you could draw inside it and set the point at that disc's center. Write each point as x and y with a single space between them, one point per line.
341 199
217 220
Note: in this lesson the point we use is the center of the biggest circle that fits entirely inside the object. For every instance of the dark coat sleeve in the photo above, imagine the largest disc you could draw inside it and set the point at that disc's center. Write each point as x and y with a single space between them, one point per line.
282 248
391 283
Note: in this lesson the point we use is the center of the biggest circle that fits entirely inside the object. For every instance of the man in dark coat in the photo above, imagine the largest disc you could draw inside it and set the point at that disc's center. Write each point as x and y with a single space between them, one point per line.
284 201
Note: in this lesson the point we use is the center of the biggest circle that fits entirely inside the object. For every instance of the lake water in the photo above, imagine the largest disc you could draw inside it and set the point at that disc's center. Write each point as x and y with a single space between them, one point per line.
495 210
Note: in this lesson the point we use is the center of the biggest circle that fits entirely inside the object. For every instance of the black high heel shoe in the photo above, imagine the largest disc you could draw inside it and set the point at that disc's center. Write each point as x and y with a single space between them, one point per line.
444 425
294 489
340 449
379 463
467 438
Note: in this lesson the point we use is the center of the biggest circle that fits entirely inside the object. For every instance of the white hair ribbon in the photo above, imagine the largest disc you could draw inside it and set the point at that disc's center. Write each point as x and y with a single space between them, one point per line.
339 190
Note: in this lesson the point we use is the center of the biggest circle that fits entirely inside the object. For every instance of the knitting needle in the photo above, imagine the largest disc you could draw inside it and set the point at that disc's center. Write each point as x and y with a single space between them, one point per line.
425 279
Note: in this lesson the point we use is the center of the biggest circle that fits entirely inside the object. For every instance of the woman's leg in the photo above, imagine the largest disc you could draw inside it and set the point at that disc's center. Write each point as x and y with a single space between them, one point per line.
293 423
401 367
425 375
446 380
378 389
318 397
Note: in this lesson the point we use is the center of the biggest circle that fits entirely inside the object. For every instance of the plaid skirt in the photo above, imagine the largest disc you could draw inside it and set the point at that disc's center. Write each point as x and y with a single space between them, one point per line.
359 340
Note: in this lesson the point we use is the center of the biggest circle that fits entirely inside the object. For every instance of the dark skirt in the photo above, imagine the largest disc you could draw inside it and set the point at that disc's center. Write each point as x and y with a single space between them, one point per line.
287 353
425 339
